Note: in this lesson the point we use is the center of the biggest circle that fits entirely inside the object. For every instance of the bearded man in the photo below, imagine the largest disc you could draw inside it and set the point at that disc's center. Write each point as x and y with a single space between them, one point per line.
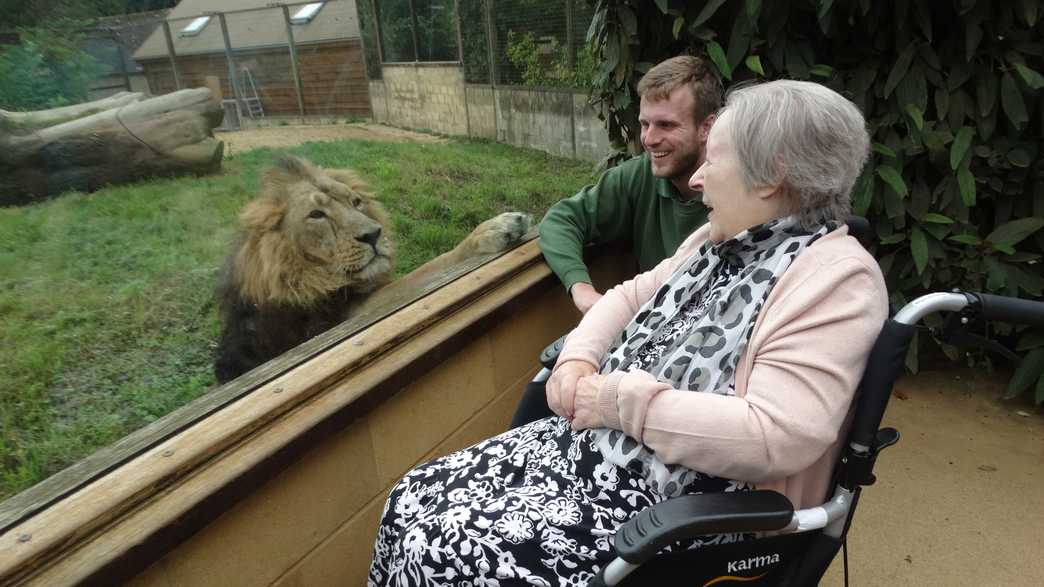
646 200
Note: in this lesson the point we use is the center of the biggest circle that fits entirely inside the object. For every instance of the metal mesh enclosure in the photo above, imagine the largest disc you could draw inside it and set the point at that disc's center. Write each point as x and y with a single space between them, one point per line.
474 35
520 42
368 32
541 42
248 59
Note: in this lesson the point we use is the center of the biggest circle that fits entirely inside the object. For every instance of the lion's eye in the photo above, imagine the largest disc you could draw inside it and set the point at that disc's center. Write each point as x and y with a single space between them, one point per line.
317 214
356 201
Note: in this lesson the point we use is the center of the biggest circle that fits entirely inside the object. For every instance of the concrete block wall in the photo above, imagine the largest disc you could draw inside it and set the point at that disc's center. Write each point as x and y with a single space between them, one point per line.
589 135
379 102
436 98
482 112
536 119
426 97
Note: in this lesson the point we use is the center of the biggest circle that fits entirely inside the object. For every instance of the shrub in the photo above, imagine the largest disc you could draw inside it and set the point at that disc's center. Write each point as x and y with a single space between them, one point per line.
47 69
548 66
951 93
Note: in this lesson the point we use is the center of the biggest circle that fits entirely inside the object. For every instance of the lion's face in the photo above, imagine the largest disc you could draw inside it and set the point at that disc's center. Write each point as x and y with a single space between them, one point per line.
310 232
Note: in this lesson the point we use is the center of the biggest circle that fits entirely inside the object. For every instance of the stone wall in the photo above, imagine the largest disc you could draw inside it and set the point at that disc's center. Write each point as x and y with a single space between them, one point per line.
435 98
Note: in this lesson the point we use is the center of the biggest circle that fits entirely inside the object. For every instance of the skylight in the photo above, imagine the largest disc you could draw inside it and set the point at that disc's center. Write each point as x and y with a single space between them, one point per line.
307 13
195 26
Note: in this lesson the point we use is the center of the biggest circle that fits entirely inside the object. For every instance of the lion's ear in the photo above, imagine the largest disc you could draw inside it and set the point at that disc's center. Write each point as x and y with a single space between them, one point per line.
262 214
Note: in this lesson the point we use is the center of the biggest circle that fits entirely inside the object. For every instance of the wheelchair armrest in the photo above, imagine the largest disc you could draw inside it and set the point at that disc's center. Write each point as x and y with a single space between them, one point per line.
550 354
688 516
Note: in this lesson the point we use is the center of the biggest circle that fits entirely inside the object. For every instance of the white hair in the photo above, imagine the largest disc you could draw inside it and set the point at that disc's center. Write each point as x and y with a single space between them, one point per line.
803 137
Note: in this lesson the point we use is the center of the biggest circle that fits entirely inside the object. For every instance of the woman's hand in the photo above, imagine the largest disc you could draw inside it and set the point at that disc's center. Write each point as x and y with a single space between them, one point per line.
561 387
585 403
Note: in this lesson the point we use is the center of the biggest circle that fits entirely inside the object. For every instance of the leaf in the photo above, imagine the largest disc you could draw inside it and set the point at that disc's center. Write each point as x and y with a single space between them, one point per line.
708 11
628 20
717 55
1033 79
1031 340
679 22
996 276
966 183
864 193
1026 374
662 5
902 65
822 70
753 63
960 146
824 8
937 218
1012 233
919 248
597 25
972 36
754 9
986 91
1029 16
916 116
1012 103
894 238
942 103
739 41
966 239
893 179
884 150
1019 158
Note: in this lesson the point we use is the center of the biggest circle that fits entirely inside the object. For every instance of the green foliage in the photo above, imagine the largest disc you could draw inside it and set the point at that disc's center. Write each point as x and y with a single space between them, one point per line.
952 94
107 316
547 64
47 69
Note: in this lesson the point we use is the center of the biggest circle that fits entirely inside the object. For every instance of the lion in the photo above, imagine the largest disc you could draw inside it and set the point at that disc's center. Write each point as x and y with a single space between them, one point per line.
314 245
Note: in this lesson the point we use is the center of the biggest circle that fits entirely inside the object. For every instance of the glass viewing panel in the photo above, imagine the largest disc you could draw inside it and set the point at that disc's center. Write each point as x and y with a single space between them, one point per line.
109 316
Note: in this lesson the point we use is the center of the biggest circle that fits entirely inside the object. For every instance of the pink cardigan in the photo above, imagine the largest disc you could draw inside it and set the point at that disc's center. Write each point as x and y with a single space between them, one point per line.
794 383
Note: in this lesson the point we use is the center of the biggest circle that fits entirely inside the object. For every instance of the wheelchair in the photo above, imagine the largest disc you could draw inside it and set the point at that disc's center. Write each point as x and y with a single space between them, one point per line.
794 547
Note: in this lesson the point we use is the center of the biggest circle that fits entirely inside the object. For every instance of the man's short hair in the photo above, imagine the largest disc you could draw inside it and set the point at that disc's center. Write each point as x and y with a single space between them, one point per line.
684 70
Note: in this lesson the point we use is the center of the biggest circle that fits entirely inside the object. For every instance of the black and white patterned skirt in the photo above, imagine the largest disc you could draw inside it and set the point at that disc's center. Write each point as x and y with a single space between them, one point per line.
537 505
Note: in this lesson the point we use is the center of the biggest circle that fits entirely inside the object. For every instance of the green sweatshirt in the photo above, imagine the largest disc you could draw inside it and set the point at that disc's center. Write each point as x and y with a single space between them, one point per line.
627 204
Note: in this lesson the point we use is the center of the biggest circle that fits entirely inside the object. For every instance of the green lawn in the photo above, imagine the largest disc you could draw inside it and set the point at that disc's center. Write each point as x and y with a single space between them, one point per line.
107 317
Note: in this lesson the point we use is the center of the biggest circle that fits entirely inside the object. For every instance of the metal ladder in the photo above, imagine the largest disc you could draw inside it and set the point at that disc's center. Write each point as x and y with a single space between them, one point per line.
251 101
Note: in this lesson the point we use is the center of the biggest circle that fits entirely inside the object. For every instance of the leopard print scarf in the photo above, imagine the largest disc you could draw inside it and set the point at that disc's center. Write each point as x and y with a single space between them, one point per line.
693 331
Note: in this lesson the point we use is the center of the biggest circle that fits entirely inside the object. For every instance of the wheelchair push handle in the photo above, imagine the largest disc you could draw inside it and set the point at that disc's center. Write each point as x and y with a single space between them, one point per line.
1013 310
974 304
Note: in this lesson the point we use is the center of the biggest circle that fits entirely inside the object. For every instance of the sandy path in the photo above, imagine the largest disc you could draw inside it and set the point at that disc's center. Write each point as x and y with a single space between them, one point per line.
960 500
291 135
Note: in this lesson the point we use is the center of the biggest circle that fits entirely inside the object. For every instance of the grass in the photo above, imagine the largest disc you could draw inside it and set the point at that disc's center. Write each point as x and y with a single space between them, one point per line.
107 317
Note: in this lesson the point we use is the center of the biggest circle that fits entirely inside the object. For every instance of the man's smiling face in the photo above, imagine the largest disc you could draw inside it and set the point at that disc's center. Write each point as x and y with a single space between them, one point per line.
671 136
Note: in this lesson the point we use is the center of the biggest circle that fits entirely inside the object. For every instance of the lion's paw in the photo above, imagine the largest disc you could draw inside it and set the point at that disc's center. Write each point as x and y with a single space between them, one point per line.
500 232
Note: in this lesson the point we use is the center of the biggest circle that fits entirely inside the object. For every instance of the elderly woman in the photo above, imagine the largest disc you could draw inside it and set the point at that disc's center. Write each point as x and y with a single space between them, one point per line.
730 366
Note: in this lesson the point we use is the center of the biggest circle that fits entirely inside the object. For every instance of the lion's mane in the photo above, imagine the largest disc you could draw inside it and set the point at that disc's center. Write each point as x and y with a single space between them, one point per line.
311 244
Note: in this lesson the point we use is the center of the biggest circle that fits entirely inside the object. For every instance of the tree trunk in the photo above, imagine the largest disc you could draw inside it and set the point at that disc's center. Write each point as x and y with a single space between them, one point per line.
117 140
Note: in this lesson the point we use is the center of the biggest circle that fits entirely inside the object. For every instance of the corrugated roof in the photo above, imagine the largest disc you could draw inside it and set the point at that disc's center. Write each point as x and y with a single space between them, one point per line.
249 28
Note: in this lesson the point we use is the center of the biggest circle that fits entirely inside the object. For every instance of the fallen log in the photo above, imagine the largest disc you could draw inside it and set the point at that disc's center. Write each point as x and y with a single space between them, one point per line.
117 140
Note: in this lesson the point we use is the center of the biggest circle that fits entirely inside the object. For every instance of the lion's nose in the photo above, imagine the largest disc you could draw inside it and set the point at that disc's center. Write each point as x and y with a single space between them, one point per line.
370 238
